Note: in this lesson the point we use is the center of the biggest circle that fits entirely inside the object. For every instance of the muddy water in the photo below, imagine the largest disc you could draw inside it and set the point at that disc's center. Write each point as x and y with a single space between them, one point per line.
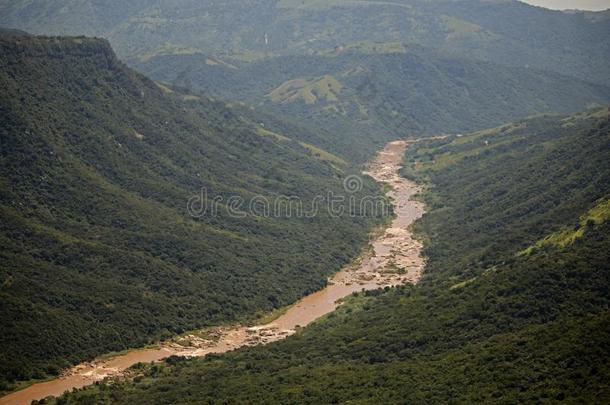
393 259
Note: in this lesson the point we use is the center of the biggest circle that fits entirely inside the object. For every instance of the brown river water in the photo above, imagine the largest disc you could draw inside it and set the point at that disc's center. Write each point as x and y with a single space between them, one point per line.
392 248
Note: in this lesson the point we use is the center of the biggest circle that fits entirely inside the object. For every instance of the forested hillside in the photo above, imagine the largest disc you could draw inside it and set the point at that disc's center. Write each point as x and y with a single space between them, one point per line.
513 307
99 252
505 32
126 201
366 95
362 71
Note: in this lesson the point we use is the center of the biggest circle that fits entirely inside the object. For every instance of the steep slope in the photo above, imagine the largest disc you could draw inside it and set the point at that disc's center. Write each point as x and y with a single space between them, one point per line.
500 317
100 250
507 32
366 98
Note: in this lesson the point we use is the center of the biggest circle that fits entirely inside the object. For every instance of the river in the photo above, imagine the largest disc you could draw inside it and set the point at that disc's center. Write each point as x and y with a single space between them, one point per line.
393 248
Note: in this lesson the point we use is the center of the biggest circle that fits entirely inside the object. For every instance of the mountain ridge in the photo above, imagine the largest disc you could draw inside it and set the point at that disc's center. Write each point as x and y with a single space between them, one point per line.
509 33
438 93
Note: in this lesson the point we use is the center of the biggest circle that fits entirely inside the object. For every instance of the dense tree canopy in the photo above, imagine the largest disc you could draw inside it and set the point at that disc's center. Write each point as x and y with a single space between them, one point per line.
513 307
99 252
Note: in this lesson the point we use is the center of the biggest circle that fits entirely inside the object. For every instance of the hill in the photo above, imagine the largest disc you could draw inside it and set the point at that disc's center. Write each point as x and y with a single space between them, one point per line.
505 32
105 177
513 307
364 99
360 71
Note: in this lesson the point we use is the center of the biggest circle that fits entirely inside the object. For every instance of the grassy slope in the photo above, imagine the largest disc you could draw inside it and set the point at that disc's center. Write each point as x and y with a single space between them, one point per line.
486 324
98 250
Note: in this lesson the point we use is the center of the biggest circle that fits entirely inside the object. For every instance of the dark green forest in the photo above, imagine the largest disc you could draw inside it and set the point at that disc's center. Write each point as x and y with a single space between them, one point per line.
99 252
103 160
513 307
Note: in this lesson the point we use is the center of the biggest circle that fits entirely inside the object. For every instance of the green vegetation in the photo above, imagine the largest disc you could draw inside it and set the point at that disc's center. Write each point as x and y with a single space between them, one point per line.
504 32
99 252
325 88
361 101
97 163
367 47
484 325
596 216
363 72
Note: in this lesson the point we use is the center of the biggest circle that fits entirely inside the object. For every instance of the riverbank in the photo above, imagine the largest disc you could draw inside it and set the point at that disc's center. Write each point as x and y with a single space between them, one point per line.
394 258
